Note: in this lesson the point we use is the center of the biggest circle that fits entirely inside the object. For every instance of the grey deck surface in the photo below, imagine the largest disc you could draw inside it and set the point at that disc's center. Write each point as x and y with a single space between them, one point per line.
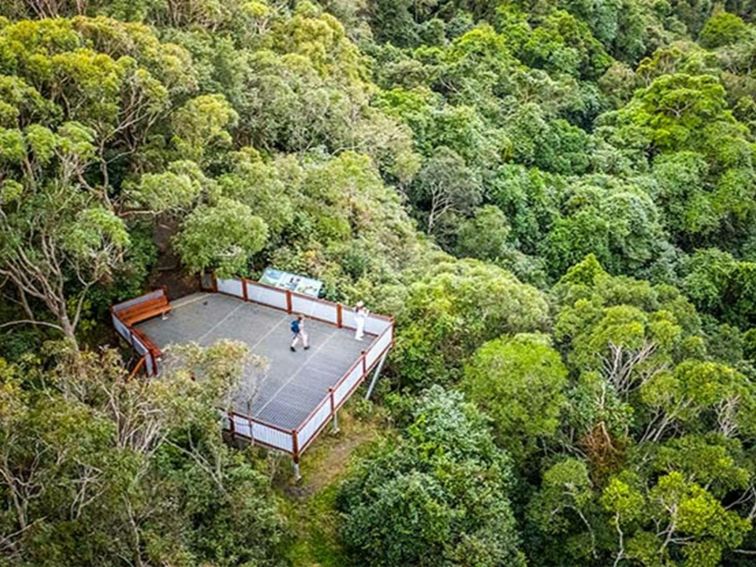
295 382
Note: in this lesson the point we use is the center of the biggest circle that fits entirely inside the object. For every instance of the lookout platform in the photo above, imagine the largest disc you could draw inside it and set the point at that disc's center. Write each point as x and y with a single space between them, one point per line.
301 391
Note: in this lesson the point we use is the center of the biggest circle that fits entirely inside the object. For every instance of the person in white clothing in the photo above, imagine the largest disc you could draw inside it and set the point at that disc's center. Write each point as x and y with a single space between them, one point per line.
360 317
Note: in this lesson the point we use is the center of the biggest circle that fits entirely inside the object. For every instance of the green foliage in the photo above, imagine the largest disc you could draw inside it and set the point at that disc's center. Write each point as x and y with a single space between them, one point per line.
645 393
485 235
344 225
201 126
711 460
439 495
675 110
600 150
174 190
705 170
600 313
618 223
723 286
51 230
564 44
680 507
520 383
722 29
565 488
92 455
454 309
682 192
221 237
550 145
446 187
530 199
692 390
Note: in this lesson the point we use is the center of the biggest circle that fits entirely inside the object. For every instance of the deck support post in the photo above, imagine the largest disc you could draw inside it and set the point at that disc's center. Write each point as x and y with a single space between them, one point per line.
375 375
295 464
295 455
334 412
231 426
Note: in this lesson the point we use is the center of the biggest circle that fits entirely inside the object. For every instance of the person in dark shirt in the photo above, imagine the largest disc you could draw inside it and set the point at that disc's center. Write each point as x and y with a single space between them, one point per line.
299 334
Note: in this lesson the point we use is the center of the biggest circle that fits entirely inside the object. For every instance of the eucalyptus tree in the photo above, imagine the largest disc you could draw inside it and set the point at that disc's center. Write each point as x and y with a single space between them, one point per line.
97 468
75 115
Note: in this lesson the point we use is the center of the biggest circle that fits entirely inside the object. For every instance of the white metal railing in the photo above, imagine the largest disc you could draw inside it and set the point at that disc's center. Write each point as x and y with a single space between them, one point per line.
315 308
121 327
146 352
306 432
231 287
259 432
293 302
378 347
339 394
374 324
266 295
272 436
348 383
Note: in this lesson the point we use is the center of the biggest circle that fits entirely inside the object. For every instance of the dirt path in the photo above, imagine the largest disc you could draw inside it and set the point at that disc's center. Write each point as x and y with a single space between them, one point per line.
337 458
311 503
328 460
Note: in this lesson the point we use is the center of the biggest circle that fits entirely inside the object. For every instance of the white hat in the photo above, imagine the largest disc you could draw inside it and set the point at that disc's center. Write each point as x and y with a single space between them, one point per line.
360 304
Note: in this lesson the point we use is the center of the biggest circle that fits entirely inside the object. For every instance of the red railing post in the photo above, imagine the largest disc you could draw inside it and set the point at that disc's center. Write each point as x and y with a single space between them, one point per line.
339 315
364 362
244 289
288 301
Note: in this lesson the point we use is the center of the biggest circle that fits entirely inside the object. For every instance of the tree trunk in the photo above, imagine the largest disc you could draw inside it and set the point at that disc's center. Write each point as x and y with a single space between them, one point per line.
69 331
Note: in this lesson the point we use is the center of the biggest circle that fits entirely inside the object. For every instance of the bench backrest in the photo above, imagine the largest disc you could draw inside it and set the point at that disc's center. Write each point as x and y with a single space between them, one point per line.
148 305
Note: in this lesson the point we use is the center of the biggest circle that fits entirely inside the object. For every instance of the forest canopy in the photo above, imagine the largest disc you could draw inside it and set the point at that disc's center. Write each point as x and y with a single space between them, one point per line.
556 199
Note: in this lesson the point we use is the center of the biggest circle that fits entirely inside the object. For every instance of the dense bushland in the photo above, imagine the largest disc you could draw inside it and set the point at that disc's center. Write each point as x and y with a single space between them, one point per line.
557 200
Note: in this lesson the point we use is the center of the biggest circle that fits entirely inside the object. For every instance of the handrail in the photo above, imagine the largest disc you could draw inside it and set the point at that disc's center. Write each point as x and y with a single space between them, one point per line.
310 298
359 360
261 422
283 291
274 288
311 414
329 395
151 347
145 339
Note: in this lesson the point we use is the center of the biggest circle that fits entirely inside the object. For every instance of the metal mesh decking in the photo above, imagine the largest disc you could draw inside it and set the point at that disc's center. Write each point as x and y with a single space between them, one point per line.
295 383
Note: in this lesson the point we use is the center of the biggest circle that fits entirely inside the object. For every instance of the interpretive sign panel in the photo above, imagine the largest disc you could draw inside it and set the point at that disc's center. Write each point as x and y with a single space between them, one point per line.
292 282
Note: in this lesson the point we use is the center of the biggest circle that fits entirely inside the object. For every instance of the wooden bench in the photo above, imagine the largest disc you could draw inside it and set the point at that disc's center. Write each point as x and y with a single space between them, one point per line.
145 310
